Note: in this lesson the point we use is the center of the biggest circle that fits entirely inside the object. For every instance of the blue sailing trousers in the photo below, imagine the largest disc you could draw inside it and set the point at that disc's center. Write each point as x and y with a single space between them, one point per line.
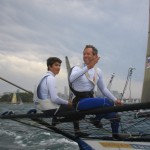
91 103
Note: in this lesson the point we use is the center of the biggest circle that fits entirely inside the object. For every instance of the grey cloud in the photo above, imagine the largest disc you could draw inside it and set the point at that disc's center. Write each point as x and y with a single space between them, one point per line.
36 29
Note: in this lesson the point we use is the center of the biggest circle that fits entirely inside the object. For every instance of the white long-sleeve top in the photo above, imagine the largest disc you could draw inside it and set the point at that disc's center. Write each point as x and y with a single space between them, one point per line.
47 89
81 83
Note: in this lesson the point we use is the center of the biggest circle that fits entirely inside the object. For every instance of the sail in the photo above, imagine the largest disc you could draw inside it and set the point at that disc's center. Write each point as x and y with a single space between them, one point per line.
68 71
14 98
146 84
67 64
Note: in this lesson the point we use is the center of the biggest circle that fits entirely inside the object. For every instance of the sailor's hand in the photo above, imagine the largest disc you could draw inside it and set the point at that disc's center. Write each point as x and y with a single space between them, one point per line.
93 62
118 102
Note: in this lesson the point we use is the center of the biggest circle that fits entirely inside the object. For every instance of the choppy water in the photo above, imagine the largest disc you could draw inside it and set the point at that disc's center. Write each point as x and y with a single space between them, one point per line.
16 136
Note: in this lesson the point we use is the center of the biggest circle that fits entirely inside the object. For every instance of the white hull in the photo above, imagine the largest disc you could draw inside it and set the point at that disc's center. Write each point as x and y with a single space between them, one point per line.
117 145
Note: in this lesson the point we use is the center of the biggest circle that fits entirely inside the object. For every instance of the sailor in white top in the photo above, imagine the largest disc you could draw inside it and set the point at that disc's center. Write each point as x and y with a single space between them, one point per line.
82 82
45 95
84 79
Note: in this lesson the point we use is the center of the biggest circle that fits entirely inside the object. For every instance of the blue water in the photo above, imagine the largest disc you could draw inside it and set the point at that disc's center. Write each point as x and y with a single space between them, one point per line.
16 136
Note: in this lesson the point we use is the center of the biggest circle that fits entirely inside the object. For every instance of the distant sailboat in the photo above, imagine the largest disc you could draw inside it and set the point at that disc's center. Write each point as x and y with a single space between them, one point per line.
146 84
16 99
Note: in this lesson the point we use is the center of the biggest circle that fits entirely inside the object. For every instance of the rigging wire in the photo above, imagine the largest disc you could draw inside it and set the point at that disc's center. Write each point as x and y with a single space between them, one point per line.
128 80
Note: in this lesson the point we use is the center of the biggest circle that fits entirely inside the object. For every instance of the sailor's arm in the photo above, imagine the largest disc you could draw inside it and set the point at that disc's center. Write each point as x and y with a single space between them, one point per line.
76 72
105 91
53 93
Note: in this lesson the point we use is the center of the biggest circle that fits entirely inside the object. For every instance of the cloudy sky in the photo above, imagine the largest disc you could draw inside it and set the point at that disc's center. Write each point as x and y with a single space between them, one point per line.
31 31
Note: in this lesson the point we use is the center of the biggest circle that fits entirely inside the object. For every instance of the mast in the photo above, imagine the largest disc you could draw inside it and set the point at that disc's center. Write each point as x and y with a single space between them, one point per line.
130 71
67 64
110 82
68 71
146 84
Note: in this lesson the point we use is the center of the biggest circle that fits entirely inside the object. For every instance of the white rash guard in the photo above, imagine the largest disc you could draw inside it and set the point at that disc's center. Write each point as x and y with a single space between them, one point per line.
45 93
81 83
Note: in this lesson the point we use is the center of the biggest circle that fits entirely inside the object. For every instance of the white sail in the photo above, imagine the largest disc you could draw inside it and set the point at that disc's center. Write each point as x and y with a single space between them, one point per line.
68 71
146 84
14 98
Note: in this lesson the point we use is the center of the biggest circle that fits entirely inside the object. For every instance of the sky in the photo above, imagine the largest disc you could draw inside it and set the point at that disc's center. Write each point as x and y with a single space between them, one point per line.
31 31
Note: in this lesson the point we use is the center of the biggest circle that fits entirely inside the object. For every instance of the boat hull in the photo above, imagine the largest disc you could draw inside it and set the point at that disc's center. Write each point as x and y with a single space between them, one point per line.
117 145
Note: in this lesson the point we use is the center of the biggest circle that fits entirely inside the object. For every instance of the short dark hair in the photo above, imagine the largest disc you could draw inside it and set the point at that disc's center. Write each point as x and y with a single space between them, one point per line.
95 51
52 60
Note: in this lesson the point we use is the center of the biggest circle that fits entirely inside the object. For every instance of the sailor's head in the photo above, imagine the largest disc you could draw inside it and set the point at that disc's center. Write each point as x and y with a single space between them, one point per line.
93 49
53 64
89 53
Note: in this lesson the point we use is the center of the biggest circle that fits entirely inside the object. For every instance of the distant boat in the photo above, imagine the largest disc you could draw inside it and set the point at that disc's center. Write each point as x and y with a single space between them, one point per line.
16 99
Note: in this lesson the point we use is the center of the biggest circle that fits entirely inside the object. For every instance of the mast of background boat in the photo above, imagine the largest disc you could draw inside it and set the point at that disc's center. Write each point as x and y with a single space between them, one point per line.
68 71
130 70
146 84
16 85
110 82
67 64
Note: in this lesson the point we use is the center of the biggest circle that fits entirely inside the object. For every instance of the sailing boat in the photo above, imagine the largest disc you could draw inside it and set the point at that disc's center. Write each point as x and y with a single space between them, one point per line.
96 140
16 99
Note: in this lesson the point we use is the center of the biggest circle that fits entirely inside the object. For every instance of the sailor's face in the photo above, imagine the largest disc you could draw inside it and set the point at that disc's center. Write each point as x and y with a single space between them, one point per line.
88 55
55 68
